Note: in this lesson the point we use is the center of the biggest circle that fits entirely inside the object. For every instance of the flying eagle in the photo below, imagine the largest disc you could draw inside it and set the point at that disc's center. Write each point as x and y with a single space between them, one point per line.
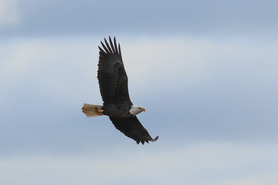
113 86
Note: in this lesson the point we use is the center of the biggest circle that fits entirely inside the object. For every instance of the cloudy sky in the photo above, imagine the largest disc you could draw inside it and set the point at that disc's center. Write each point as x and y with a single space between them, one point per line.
206 72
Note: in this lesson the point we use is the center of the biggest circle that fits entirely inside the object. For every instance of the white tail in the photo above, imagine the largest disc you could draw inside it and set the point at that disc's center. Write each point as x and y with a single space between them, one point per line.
92 110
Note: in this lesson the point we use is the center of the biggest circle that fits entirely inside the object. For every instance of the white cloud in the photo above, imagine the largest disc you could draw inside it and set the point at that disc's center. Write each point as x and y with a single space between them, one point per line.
20 57
9 13
148 59
207 163
18 60
56 67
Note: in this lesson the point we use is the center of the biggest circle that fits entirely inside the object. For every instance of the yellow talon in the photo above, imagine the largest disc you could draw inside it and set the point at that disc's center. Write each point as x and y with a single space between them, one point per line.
99 110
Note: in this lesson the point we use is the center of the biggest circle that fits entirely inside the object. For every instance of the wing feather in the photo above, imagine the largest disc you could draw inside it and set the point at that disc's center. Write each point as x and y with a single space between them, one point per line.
109 48
104 47
113 80
115 44
112 45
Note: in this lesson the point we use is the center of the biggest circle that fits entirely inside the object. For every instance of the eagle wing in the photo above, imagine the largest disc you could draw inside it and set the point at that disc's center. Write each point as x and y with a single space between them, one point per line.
132 128
111 73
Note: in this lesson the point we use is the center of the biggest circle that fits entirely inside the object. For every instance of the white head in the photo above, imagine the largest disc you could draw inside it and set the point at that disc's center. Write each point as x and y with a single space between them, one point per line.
136 110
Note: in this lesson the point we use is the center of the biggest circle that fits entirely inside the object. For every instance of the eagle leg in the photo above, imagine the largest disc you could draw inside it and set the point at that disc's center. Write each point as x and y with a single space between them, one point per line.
99 110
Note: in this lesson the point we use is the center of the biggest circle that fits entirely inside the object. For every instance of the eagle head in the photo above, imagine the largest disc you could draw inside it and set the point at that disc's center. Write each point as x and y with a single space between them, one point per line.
134 110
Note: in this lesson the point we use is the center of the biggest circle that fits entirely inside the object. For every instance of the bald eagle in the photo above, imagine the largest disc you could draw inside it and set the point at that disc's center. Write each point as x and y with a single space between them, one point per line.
113 84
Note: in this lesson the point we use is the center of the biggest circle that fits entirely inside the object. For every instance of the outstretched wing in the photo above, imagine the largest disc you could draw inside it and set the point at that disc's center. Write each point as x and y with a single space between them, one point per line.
111 73
132 128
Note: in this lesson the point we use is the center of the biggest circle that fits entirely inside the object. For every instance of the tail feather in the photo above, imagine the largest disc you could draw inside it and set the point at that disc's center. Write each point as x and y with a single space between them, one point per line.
91 110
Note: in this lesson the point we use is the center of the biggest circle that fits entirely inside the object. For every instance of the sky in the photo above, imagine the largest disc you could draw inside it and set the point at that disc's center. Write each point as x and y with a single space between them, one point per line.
206 72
